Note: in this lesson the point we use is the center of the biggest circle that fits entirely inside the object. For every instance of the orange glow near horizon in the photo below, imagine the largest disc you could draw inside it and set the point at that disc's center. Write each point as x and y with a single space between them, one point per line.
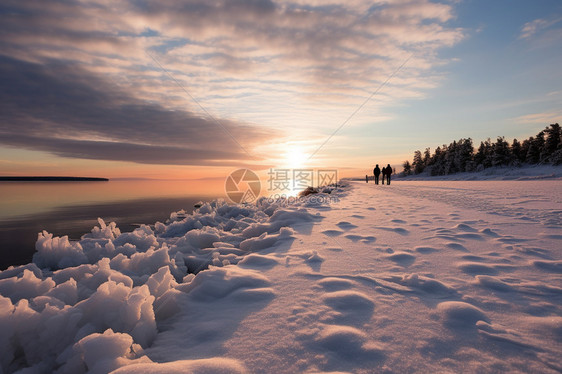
288 155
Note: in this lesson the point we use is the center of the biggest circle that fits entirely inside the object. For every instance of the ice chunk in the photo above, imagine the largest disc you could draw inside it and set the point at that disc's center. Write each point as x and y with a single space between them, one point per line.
25 287
103 353
104 231
121 308
142 238
6 337
57 252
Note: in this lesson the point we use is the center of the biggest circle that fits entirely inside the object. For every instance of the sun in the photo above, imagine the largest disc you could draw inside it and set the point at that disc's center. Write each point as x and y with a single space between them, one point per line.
295 157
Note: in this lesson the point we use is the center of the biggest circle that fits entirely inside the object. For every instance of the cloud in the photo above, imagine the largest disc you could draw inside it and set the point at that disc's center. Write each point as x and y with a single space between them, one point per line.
72 113
88 73
529 29
540 118
123 151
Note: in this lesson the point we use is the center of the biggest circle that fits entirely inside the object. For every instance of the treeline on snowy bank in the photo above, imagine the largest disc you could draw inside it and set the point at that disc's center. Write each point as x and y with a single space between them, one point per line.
461 156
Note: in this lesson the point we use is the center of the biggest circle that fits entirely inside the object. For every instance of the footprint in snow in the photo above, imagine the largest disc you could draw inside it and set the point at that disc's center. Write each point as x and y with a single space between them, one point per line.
457 247
425 250
352 307
550 266
346 343
470 236
402 258
364 239
512 240
331 284
473 258
344 225
458 314
358 216
332 233
474 268
489 232
398 230
334 249
464 227
551 236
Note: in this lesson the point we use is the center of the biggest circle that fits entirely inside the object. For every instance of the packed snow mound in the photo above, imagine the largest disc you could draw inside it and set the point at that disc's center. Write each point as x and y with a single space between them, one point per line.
347 343
204 366
95 304
460 314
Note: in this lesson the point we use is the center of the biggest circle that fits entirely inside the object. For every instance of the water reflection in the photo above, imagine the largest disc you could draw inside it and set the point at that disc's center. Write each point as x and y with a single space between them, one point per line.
72 208
30 198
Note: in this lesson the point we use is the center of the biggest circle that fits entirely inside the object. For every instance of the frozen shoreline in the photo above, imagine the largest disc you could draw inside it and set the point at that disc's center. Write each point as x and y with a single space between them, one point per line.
412 276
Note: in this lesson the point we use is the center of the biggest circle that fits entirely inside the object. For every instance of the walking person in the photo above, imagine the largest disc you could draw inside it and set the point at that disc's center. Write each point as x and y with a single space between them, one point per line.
388 173
383 174
376 173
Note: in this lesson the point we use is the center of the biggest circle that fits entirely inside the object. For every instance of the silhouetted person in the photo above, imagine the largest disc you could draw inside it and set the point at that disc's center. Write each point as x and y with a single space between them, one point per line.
376 173
366 178
388 173
383 174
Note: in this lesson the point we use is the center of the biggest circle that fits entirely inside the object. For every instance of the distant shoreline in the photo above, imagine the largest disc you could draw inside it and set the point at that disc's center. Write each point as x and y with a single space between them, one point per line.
52 179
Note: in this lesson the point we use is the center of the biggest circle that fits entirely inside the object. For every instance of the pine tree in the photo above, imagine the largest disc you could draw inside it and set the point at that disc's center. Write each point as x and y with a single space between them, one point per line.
556 157
435 159
407 167
516 156
451 165
479 156
418 163
464 155
442 162
552 141
525 145
535 149
484 155
427 157
501 152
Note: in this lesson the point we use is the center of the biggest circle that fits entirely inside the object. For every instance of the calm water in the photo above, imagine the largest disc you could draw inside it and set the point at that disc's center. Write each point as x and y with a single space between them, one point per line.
72 208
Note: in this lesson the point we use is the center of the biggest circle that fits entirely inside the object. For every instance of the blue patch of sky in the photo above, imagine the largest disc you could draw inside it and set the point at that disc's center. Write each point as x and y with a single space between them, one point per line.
170 44
496 77
493 77
148 32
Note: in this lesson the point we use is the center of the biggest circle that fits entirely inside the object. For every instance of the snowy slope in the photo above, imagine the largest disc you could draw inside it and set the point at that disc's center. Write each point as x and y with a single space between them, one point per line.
411 277
525 172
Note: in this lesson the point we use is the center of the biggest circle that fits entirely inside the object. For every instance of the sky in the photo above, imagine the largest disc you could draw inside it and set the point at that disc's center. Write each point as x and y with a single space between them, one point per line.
198 88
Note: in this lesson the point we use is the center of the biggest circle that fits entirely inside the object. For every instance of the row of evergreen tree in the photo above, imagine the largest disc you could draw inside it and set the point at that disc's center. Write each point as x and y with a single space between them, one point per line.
460 155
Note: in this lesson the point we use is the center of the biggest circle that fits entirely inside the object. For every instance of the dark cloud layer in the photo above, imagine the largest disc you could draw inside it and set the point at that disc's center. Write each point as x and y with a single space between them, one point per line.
68 111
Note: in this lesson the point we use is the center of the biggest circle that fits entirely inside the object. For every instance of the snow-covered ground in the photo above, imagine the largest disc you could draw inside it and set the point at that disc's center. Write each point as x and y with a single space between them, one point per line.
412 277
525 172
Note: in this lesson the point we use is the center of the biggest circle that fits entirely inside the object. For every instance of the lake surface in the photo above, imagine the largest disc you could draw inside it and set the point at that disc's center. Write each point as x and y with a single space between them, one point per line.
72 208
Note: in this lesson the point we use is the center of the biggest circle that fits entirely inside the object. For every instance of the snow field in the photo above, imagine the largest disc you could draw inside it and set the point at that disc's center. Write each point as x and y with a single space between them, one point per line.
415 279
412 277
